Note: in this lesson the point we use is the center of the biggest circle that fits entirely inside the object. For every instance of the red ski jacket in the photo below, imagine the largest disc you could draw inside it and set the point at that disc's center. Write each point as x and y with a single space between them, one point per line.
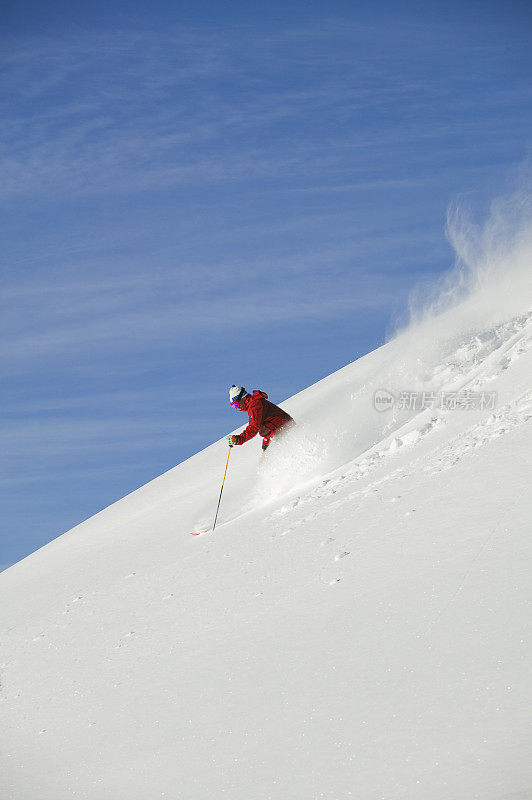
264 417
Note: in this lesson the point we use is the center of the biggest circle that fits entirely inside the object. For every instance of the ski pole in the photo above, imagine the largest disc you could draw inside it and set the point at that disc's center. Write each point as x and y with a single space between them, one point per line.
221 490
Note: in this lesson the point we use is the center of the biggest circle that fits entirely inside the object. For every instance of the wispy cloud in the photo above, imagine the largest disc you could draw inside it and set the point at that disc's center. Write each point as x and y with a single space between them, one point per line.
148 110
56 438
77 318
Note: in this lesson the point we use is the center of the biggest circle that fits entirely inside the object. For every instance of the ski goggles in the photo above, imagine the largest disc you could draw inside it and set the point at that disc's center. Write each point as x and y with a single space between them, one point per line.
235 404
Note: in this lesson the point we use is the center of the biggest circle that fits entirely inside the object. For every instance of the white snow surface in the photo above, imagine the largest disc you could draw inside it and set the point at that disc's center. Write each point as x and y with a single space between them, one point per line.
356 626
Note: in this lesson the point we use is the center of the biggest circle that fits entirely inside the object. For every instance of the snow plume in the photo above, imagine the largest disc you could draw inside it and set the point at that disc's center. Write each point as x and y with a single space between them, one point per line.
489 285
497 258
295 457
492 276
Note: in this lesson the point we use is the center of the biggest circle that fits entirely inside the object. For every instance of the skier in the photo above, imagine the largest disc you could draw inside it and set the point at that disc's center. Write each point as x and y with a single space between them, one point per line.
265 418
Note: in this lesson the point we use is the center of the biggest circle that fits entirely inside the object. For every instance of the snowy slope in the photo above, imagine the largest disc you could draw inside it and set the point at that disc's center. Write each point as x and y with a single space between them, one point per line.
355 627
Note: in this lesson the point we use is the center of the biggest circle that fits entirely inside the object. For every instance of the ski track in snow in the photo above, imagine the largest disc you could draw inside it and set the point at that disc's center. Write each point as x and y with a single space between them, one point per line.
488 354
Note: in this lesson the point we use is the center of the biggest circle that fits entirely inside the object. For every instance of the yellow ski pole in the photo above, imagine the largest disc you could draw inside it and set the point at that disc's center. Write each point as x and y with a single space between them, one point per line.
221 490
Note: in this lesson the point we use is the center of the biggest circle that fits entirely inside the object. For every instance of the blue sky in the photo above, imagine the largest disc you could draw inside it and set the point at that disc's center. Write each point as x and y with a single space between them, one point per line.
195 195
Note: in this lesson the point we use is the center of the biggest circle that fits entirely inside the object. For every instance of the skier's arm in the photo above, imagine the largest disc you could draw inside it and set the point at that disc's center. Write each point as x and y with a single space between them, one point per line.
255 416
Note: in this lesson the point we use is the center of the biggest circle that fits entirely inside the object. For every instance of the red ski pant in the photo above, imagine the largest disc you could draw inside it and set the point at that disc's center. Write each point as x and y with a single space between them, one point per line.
267 432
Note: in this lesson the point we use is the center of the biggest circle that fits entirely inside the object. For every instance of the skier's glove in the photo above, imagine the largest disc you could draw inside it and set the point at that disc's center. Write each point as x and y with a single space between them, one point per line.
233 440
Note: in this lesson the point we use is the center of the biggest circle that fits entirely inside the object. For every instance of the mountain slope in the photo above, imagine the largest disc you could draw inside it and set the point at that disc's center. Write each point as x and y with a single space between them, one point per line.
355 627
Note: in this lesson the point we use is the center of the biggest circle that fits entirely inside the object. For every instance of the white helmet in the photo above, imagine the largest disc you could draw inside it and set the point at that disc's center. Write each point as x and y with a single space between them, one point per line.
236 393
